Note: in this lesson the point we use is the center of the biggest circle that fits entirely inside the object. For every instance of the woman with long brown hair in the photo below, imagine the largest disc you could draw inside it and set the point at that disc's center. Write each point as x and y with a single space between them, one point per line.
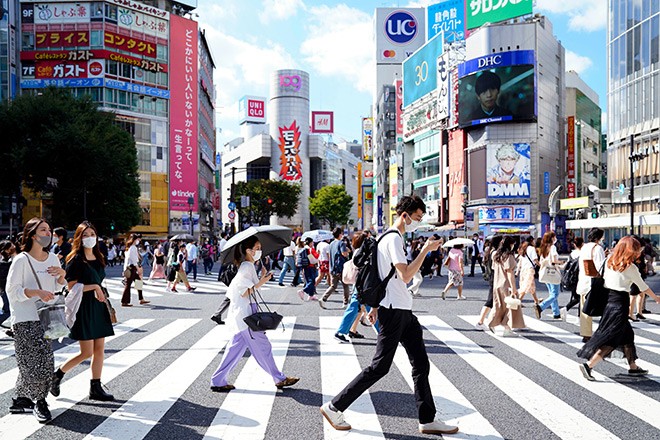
614 331
85 265
549 260
132 265
528 259
504 285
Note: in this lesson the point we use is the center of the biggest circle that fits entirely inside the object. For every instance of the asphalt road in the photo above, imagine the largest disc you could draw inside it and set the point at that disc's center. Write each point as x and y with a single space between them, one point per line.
159 366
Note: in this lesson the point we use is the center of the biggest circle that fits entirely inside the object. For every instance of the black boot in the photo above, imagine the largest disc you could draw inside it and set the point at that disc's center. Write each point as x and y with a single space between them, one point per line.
55 385
96 391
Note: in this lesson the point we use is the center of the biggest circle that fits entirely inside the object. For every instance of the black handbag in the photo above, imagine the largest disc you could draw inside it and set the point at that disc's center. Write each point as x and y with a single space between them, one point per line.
262 320
227 273
596 299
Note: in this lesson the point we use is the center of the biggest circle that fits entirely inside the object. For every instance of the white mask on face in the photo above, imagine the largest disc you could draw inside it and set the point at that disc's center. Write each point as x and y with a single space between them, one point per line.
89 242
257 255
412 227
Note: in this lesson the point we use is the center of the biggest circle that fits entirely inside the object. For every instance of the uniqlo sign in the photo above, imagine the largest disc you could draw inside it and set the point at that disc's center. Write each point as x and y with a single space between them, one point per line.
252 109
322 122
256 109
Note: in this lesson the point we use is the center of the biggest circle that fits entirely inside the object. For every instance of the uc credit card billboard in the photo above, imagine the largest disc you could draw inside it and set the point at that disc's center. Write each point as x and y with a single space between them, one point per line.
399 32
420 71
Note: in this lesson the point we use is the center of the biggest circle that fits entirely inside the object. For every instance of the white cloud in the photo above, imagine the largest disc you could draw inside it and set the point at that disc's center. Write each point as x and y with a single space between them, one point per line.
584 15
345 49
577 62
279 9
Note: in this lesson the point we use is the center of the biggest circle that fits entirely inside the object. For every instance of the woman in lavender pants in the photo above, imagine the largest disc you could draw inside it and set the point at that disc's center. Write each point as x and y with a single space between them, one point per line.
242 286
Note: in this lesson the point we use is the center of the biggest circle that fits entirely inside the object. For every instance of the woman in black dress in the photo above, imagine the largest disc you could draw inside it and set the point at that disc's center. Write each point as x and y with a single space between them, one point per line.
85 265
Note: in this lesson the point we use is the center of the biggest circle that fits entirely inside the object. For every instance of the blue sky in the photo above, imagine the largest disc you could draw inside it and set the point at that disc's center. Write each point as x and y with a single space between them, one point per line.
332 40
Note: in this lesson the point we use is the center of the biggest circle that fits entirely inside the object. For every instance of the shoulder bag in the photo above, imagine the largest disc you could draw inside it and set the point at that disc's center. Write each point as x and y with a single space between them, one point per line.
262 320
596 299
111 310
590 268
535 266
51 315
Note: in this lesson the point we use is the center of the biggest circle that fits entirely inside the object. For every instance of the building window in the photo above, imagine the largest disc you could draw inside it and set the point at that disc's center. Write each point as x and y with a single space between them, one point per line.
96 39
111 13
27 41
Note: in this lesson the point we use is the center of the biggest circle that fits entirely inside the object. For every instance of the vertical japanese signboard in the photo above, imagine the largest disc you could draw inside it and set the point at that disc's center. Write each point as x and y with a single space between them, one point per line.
290 161
398 84
367 139
184 155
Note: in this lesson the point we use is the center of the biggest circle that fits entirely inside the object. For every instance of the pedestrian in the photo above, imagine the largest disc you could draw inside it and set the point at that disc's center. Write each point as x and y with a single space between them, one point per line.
578 242
397 325
549 259
306 259
191 259
488 262
112 254
504 290
241 293
145 254
61 246
323 248
179 269
528 261
592 254
7 254
477 253
289 262
338 256
614 331
454 263
205 254
158 270
86 266
636 295
35 274
131 268
651 255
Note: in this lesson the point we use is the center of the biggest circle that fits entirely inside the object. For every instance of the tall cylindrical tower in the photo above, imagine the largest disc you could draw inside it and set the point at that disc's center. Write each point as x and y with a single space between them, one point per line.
288 118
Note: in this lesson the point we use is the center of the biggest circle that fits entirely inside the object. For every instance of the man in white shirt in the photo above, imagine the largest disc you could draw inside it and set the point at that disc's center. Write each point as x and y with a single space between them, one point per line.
323 248
289 262
191 259
397 325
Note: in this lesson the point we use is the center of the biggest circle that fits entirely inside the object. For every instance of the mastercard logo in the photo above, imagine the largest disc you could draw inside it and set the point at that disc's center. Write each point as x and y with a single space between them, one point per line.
389 53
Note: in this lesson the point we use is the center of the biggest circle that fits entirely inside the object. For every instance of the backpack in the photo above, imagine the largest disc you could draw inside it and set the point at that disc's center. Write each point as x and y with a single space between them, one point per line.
302 258
569 278
369 287
338 261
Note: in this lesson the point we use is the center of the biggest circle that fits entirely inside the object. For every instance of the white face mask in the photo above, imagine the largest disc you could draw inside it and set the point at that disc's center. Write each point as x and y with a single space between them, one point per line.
257 255
89 242
412 227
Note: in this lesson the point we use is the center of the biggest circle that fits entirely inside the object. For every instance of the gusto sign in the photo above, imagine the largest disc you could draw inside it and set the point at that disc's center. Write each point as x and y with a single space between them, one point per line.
291 81
400 27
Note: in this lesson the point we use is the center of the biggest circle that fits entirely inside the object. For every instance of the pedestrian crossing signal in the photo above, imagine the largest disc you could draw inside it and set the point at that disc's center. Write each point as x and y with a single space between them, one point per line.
594 212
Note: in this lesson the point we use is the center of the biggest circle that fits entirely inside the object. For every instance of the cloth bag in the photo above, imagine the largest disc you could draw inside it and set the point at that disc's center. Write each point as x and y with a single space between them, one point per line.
262 320
51 315
512 303
549 274
349 273
596 299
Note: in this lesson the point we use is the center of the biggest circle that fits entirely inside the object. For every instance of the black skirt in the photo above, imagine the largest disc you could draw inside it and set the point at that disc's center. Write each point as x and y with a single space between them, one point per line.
92 319
614 330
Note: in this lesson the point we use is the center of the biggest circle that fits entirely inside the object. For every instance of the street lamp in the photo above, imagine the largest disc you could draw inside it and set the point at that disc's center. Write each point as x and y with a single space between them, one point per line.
191 202
465 192
634 158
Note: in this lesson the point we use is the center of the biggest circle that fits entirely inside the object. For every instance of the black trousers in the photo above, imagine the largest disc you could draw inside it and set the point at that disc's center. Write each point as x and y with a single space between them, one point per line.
474 261
575 300
396 326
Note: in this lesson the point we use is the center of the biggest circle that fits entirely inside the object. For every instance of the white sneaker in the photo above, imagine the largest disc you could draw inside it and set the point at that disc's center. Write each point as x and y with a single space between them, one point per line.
562 313
480 326
508 334
437 427
336 418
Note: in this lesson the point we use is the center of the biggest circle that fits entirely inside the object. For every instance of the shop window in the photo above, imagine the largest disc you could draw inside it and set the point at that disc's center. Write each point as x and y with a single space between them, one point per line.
27 41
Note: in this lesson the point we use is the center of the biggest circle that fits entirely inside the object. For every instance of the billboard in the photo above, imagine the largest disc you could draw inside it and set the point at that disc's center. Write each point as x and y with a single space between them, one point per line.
252 109
443 86
420 119
420 71
446 17
497 88
130 44
58 13
290 162
398 88
367 139
508 171
184 102
323 122
399 32
571 147
480 12
505 214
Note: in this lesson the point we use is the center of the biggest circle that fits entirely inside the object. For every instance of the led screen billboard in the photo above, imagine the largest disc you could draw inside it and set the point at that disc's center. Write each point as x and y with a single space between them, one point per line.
420 71
508 171
498 87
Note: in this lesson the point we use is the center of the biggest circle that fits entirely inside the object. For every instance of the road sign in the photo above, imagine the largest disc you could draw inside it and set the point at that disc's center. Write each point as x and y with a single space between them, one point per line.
231 216
232 206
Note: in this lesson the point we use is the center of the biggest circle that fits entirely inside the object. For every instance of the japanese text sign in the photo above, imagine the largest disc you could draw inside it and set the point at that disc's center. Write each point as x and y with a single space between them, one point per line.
480 12
446 17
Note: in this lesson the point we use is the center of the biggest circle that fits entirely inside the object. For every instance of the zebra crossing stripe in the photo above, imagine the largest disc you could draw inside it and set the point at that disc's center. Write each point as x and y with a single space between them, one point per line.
339 366
135 418
452 406
637 404
543 405
17 426
8 378
245 412
7 351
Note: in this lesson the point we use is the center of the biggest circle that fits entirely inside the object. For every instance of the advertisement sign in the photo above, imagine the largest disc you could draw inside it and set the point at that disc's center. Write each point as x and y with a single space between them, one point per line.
575 203
65 82
546 183
53 13
496 88
142 8
399 32
290 162
480 12
394 185
252 109
505 214
455 162
86 55
130 44
570 190
453 98
323 122
63 69
419 119
508 173
448 16
398 88
570 137
184 102
367 139
359 189
61 39
443 86
420 72
136 21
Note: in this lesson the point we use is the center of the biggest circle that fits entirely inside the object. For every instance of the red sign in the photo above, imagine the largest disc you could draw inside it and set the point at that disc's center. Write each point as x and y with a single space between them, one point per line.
62 39
130 44
184 103
571 147
290 162
256 108
455 159
399 107
82 55
570 190
60 69
323 122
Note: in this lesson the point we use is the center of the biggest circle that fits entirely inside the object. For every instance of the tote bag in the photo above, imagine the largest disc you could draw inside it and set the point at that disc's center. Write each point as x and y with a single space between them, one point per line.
549 274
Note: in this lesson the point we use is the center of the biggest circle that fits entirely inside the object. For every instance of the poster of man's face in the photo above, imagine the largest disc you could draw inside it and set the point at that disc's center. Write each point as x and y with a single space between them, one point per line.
508 170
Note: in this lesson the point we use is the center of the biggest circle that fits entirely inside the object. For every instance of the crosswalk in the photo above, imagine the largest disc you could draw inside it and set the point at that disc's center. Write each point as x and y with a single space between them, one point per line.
492 387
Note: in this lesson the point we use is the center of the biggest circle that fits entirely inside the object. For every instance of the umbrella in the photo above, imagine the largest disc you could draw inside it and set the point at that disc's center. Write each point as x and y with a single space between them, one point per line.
272 238
456 241
318 235
183 237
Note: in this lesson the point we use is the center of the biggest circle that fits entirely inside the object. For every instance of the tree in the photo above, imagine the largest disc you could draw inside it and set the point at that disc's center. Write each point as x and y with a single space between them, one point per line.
64 145
332 204
267 197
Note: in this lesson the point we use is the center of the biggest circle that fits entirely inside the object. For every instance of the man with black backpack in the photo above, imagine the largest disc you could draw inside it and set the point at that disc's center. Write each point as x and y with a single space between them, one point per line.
338 256
397 325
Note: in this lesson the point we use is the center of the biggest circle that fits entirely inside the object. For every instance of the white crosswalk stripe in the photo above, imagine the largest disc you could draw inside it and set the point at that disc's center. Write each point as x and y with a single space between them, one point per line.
248 411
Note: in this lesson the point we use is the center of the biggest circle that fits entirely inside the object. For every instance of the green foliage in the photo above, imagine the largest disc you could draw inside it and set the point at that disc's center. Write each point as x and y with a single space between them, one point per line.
285 197
58 136
331 204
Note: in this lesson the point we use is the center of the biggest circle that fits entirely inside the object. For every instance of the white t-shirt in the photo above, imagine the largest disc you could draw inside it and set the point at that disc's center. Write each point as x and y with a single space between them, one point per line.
221 244
622 281
290 250
552 256
239 307
390 251
584 281
132 257
323 249
531 255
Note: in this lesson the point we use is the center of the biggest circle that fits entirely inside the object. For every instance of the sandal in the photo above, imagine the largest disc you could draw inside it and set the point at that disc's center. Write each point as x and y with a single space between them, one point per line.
289 381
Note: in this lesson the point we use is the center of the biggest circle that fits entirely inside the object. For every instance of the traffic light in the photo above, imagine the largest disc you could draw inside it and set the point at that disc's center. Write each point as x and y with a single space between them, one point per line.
112 227
594 212
269 201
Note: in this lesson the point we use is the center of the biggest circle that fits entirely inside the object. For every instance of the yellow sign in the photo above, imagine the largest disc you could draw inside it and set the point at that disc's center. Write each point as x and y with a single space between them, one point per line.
575 203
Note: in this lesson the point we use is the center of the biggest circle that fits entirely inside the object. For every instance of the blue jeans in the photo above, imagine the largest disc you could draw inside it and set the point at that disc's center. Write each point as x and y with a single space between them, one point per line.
351 313
5 307
310 278
552 300
288 265
191 265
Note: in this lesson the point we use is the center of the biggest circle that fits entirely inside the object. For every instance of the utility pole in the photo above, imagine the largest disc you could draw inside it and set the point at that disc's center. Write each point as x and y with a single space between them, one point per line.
231 196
